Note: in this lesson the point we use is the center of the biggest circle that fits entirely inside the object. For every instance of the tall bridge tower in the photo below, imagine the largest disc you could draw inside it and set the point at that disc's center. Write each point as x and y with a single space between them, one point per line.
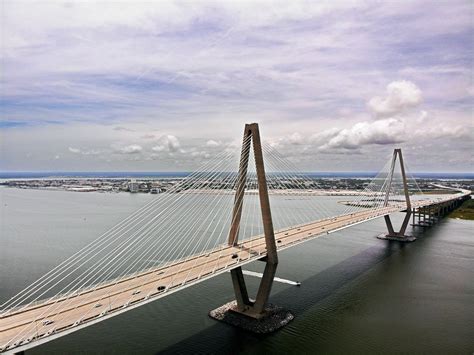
244 305
392 234
255 315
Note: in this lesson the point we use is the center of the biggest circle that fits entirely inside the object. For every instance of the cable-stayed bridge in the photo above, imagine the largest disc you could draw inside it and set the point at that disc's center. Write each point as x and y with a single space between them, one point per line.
214 221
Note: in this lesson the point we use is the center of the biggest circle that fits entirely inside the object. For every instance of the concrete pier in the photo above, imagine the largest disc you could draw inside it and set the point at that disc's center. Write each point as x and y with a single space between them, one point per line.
272 319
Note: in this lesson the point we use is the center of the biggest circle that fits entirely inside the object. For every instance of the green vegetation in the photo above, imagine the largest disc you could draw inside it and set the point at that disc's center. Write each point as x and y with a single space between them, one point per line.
465 211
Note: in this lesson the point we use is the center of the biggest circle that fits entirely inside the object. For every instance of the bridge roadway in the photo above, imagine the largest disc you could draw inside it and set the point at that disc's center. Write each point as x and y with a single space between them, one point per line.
107 300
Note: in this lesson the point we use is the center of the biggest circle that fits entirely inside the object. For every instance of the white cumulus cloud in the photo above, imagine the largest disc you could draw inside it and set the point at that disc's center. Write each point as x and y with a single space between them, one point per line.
213 143
295 138
159 148
130 149
400 95
84 151
168 143
173 143
387 131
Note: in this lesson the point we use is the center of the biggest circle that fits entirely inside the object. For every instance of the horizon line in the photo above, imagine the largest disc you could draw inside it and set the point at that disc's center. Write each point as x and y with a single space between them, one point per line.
190 171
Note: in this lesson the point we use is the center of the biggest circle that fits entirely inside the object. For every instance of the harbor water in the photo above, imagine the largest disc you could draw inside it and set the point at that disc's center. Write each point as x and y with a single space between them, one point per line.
358 294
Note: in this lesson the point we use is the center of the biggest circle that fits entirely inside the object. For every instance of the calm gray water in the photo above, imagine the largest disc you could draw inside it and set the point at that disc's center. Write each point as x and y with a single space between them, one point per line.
358 294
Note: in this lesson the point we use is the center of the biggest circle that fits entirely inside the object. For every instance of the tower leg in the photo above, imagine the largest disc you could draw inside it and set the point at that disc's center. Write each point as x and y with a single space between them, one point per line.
240 289
265 287
400 235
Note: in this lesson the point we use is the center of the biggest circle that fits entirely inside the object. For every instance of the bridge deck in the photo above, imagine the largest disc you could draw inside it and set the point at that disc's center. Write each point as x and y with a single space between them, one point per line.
117 296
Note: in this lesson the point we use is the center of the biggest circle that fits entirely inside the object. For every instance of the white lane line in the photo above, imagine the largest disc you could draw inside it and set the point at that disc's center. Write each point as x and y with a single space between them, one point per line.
257 274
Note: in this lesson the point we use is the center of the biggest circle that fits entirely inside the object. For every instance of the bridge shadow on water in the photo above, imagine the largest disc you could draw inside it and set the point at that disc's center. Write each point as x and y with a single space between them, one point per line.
297 299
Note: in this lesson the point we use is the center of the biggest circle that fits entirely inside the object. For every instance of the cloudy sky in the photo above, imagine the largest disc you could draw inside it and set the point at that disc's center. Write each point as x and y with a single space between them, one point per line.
166 85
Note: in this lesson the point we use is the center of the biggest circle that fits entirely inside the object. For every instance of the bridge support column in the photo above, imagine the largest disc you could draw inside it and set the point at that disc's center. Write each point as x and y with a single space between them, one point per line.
256 316
400 234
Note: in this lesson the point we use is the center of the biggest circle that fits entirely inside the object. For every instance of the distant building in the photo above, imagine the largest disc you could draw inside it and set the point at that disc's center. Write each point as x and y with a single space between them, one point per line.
155 190
133 186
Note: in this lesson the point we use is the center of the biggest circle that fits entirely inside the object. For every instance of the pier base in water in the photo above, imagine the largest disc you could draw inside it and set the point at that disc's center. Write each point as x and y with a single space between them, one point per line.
272 319
405 238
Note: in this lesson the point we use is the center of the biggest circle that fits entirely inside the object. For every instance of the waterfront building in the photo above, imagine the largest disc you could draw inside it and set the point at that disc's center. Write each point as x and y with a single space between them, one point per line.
133 186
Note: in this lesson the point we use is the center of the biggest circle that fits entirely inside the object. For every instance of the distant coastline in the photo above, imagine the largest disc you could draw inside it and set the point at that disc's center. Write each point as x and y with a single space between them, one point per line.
85 174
